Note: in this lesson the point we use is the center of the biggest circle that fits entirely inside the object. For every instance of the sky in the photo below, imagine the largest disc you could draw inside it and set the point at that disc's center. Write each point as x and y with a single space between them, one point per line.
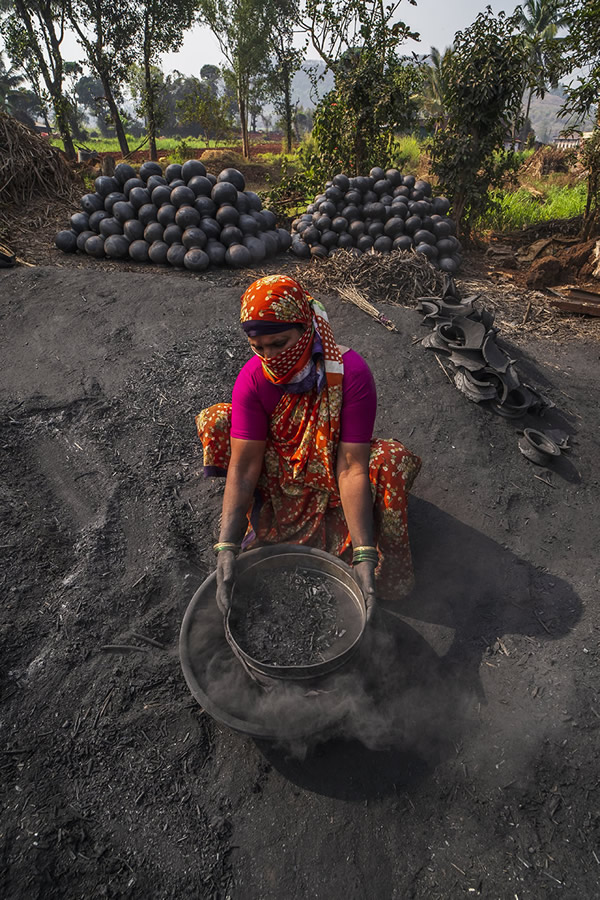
436 20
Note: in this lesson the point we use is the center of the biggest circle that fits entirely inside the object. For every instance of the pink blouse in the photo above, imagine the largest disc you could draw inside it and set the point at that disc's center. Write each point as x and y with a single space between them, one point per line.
254 400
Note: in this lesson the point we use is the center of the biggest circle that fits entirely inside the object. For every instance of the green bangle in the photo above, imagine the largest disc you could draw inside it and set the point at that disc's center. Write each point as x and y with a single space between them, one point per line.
226 545
365 554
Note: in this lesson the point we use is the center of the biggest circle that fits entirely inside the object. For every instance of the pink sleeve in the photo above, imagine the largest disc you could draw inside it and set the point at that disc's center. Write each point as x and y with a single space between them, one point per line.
359 402
252 403
254 400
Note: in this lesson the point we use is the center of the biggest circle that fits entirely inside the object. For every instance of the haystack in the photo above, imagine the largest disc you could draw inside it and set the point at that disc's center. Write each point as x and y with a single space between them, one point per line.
223 158
547 160
30 167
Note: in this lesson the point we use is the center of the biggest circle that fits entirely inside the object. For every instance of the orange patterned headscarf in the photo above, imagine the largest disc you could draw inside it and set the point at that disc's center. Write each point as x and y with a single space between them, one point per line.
278 299
304 429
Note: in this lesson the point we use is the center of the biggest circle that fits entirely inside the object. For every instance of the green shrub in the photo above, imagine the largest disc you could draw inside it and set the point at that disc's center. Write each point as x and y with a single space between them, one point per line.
181 151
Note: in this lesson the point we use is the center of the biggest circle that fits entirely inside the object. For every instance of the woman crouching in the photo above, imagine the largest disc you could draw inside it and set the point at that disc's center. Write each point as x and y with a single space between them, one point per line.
296 444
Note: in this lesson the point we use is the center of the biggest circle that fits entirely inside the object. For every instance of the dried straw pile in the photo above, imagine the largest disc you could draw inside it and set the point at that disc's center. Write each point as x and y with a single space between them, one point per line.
399 277
547 160
522 312
30 167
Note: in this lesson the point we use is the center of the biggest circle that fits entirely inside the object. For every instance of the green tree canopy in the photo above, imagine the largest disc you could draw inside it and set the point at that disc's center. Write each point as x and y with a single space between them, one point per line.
539 21
582 52
33 31
374 92
482 98
158 28
242 29
10 82
434 87
204 107
337 26
284 61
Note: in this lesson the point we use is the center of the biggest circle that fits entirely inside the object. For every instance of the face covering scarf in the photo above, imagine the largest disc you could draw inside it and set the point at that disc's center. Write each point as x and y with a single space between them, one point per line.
278 303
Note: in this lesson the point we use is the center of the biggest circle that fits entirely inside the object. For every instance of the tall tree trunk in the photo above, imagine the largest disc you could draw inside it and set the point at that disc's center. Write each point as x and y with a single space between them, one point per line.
244 124
62 121
51 70
529 103
114 111
287 99
150 111
150 99
458 207
95 52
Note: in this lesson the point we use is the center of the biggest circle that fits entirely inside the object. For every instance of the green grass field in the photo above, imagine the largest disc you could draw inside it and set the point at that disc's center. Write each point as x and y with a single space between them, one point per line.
111 145
517 209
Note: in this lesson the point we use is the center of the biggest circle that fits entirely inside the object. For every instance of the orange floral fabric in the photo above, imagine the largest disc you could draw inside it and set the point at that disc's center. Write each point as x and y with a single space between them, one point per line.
297 499
305 428
285 510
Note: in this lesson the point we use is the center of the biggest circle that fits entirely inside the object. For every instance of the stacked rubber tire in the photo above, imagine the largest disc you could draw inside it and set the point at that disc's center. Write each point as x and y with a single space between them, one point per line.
378 212
184 217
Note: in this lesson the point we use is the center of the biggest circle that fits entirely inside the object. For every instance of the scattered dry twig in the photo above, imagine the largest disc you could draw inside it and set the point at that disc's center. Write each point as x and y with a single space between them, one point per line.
147 640
444 369
521 311
399 277
351 293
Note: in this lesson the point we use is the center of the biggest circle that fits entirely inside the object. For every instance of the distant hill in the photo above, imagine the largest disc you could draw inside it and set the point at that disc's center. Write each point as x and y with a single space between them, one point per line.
302 89
544 117
543 113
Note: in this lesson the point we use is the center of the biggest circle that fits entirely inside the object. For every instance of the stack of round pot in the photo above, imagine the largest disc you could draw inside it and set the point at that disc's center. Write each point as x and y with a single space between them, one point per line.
185 217
378 212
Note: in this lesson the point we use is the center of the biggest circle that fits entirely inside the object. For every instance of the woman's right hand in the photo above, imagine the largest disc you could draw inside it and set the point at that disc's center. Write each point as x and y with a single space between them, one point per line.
225 577
242 477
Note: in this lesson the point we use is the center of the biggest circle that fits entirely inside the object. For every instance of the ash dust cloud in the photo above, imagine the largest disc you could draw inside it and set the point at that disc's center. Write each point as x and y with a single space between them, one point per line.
393 694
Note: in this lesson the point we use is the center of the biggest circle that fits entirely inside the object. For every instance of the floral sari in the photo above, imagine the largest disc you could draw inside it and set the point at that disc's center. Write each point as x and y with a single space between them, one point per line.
297 498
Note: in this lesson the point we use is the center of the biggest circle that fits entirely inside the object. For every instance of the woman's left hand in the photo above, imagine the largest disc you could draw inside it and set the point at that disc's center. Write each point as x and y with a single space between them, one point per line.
364 573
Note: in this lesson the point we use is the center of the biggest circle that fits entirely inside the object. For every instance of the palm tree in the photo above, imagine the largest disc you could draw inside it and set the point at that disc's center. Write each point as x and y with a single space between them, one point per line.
540 21
434 85
10 82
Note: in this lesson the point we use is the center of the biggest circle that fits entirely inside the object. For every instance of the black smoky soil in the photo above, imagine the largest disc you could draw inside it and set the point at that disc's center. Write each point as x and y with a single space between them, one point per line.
115 783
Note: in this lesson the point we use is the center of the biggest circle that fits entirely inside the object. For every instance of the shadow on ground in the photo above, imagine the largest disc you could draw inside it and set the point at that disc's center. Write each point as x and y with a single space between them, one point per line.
478 591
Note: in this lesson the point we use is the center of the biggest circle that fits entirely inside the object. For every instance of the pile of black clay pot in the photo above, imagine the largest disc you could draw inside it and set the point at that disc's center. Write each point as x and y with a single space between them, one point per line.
184 217
378 213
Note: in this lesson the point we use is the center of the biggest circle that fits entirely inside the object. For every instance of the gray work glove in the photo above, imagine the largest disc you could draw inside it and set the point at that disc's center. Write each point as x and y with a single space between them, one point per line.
225 578
364 575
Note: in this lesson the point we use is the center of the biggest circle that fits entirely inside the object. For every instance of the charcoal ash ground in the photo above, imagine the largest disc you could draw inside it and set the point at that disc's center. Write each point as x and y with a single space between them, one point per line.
115 783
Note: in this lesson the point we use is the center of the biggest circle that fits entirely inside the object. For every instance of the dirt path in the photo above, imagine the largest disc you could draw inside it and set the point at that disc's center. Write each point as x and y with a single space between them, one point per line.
116 784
